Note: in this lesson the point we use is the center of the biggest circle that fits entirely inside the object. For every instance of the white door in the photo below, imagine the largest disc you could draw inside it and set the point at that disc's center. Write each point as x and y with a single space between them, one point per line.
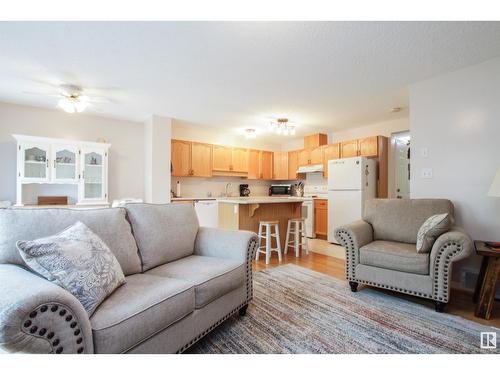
64 164
34 162
344 207
345 174
402 170
93 182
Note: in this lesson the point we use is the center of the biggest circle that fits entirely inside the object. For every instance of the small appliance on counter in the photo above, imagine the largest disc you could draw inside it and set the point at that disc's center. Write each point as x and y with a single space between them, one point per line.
244 190
280 190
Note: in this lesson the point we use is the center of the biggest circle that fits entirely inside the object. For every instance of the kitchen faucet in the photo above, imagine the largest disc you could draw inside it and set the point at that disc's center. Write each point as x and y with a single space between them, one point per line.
228 185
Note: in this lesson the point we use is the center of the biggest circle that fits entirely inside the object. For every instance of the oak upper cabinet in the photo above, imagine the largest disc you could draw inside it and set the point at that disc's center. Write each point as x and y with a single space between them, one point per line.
201 159
321 217
330 152
315 140
303 157
239 161
266 165
316 156
349 149
254 164
368 146
181 158
293 164
222 158
280 165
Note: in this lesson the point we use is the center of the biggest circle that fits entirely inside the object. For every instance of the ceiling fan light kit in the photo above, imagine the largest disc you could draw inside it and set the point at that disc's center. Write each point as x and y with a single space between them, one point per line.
281 127
73 104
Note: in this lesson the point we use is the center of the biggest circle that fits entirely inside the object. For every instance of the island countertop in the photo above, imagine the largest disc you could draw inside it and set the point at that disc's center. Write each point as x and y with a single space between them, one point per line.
261 200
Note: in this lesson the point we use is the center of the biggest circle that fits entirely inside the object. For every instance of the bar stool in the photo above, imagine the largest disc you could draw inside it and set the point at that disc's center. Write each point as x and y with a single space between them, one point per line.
297 228
267 237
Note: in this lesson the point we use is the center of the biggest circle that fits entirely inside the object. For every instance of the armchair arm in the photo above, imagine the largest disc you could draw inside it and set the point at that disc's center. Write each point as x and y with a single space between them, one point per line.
353 236
230 244
37 316
448 248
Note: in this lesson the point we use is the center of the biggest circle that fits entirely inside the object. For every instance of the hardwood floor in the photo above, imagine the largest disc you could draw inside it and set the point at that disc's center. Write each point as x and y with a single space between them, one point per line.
460 302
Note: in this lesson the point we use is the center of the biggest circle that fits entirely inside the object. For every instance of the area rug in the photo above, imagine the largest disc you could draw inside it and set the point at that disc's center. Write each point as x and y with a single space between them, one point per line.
296 310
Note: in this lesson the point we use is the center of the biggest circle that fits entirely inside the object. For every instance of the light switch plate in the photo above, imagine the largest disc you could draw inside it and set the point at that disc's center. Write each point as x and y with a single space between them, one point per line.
426 173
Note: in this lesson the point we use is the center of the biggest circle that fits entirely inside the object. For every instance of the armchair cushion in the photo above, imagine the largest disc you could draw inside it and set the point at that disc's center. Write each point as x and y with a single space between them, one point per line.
212 277
395 256
77 260
142 307
431 229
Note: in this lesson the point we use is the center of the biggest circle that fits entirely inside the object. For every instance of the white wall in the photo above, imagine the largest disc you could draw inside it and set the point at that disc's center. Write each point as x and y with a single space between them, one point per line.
126 156
456 117
385 128
157 136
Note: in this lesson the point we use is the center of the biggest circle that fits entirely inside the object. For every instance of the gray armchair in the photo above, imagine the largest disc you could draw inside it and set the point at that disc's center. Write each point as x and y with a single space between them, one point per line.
381 250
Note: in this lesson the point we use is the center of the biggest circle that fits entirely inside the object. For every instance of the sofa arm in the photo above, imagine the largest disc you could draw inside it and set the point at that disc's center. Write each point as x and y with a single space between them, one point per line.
448 248
239 245
37 316
353 236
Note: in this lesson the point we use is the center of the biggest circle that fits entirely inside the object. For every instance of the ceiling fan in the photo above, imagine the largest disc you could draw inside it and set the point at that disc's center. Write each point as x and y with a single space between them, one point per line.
72 98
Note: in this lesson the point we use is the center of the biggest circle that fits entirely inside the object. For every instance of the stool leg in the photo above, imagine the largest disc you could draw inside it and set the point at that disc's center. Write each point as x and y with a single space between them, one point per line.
287 238
304 238
278 241
260 243
268 243
296 235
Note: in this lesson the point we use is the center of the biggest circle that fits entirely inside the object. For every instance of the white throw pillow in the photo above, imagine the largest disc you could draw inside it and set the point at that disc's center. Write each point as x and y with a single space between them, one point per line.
77 260
431 229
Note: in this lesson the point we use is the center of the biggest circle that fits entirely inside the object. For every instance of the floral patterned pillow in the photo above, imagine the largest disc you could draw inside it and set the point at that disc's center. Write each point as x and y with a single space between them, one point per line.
77 260
431 229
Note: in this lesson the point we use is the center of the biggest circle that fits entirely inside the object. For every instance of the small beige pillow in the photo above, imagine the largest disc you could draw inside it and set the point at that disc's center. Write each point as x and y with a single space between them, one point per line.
431 229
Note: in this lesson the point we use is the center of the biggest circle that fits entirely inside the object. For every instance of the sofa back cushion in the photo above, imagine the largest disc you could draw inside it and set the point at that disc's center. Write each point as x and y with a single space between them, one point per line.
164 232
109 224
400 219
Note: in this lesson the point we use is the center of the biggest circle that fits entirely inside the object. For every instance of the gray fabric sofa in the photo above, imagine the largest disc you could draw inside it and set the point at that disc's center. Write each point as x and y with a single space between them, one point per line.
381 250
182 281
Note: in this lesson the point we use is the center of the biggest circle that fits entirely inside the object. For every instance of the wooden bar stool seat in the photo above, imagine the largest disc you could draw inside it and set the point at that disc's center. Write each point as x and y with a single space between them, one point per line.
297 229
266 229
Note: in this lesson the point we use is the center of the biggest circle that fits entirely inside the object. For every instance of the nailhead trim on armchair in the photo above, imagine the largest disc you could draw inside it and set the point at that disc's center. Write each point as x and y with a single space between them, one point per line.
442 290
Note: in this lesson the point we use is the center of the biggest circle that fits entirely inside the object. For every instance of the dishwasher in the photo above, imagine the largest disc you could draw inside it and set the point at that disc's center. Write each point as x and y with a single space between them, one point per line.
207 212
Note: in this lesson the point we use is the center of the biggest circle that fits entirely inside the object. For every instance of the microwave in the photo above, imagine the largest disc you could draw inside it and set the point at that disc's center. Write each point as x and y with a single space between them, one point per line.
281 189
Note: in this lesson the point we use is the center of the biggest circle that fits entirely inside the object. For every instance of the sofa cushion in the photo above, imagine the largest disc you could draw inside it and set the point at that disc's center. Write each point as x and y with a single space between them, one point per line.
400 219
145 305
213 277
164 232
431 229
395 256
77 260
29 224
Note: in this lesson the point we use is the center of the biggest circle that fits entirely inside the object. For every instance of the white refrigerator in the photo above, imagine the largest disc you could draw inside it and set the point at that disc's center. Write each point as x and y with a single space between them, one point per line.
351 181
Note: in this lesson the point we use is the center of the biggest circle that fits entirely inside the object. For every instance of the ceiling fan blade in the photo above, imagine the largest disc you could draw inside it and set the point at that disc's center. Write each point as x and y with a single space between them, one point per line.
98 100
52 95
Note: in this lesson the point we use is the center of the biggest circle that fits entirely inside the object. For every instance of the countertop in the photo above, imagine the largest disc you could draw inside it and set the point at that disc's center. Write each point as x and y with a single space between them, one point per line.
261 200
195 199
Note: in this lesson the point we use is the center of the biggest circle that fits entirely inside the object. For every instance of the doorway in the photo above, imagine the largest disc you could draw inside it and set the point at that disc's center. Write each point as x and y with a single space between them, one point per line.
401 154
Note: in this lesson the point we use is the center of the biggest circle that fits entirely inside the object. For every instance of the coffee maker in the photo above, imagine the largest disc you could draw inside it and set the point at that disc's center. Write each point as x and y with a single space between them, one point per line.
244 190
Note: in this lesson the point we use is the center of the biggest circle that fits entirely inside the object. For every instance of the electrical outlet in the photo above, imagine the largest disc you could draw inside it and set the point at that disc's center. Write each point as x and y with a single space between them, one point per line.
426 173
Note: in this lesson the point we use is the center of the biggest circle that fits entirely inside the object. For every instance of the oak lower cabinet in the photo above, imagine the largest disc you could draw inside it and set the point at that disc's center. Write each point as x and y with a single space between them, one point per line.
321 218
280 165
330 152
191 159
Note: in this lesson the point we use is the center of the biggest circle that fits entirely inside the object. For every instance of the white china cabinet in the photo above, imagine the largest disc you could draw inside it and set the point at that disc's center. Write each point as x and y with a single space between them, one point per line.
43 160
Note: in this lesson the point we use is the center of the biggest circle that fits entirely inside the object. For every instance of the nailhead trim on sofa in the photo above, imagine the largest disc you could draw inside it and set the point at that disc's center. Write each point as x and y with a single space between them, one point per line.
252 248
442 294
30 327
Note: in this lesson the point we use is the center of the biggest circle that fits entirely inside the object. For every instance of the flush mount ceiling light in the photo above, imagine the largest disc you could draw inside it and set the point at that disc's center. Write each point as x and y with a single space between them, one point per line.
250 134
282 127
395 109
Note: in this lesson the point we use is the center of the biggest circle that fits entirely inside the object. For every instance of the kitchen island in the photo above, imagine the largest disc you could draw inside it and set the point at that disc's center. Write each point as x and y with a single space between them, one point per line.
245 213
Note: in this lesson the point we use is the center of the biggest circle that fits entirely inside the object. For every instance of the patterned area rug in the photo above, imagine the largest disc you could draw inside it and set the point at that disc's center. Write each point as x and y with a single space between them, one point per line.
296 310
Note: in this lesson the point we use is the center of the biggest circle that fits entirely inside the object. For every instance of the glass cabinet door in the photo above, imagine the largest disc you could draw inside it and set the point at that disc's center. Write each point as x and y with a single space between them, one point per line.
93 164
35 162
65 163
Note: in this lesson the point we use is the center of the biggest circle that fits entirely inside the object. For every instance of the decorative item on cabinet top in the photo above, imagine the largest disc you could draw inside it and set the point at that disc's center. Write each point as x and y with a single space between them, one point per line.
42 160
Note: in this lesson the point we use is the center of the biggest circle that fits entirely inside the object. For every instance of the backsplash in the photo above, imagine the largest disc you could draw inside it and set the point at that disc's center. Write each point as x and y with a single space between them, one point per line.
197 187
